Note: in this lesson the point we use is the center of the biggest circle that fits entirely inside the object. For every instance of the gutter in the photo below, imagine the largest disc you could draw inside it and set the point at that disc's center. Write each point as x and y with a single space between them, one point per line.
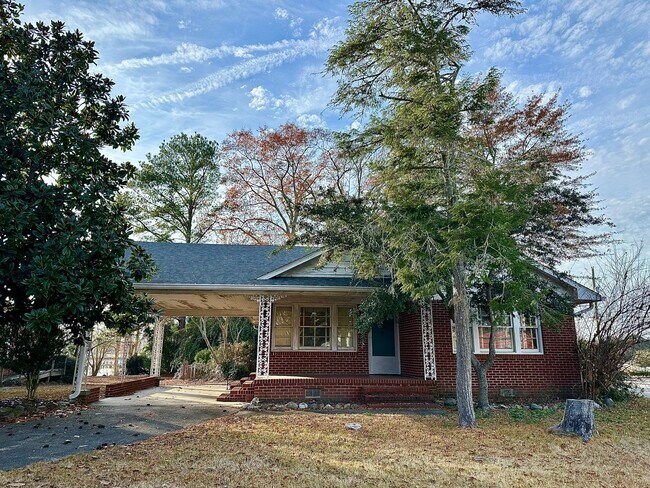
247 288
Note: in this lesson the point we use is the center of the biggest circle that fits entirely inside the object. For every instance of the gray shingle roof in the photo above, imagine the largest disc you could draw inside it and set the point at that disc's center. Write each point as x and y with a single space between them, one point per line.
229 264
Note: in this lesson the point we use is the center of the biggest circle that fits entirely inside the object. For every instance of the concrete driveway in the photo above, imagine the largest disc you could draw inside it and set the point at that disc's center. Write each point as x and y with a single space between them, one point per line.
119 420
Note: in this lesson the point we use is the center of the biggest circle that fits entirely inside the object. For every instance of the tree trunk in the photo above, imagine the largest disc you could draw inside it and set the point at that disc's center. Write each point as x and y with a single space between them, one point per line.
465 403
481 375
578 419
32 383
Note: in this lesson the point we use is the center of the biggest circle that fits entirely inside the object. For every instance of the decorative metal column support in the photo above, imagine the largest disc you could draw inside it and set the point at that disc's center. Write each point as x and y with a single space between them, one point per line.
156 347
428 345
264 333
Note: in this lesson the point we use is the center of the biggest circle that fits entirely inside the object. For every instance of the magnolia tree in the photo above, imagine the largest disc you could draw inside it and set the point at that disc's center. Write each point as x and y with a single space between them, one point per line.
66 259
469 188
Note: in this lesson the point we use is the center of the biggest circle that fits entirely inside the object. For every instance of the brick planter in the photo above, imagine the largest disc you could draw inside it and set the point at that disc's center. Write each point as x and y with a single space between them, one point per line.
129 387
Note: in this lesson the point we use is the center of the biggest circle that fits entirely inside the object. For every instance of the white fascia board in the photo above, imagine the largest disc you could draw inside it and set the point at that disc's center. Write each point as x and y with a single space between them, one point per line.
153 287
291 265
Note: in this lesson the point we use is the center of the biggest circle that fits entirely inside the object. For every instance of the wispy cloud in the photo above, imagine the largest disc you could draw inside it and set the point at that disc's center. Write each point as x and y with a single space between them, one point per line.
324 34
193 53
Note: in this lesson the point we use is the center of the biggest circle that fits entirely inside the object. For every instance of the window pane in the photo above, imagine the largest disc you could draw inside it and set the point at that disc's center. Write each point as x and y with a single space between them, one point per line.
529 333
345 332
315 327
502 338
282 326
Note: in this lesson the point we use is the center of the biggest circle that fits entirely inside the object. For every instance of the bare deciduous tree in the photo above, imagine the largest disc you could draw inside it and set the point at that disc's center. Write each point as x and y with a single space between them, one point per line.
610 330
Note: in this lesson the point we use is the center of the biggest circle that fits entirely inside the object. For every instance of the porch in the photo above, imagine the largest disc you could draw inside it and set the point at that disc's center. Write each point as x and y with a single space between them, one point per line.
369 389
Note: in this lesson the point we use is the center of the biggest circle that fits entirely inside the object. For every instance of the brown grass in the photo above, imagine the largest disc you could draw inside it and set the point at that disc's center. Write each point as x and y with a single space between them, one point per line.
316 450
43 392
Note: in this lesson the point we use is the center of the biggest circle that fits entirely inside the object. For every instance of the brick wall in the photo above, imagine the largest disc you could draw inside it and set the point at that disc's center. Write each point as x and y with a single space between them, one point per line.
129 387
410 345
283 363
556 372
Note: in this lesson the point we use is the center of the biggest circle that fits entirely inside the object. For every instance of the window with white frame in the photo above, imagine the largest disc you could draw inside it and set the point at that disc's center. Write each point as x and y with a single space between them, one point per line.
315 327
521 335
307 327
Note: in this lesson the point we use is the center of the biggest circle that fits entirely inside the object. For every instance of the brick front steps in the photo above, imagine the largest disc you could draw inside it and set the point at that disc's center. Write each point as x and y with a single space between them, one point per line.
360 389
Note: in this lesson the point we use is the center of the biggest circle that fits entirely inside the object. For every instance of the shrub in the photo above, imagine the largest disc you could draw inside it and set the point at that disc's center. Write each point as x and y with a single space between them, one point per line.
203 356
138 364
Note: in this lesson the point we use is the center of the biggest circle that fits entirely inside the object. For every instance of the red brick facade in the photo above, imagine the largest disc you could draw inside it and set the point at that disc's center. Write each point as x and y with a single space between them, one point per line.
555 372
320 363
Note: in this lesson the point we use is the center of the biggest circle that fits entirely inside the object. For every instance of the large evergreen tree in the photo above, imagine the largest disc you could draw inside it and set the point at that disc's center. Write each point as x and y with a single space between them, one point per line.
470 189
175 193
66 260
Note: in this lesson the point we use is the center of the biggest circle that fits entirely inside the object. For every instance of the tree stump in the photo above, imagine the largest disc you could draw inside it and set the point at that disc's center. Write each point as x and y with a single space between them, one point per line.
578 419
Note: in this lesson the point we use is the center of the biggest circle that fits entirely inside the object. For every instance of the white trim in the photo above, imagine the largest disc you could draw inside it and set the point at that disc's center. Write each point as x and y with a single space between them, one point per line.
291 265
256 289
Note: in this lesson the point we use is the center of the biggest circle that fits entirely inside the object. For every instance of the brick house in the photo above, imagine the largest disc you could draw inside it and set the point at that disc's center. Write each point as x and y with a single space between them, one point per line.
308 346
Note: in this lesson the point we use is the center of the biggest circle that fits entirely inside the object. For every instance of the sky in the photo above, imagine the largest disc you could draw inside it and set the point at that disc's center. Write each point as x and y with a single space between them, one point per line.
215 66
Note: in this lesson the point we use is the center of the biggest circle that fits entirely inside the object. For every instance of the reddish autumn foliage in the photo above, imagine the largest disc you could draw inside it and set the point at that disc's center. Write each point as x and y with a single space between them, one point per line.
270 176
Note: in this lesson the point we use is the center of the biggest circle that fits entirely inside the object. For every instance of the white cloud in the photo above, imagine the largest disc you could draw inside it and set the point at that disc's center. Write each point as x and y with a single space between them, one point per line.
584 92
193 53
311 121
626 102
261 99
281 13
187 69
523 92
184 24
325 33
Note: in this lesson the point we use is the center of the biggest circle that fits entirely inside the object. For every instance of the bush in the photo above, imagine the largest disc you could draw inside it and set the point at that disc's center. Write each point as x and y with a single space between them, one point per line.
138 364
203 356
232 370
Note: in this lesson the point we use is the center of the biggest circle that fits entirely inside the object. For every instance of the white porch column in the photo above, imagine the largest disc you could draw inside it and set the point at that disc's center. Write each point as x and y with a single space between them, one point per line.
156 347
428 345
80 369
264 333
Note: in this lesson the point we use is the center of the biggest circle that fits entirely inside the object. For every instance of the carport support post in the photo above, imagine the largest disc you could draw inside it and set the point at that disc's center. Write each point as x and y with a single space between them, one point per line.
156 348
264 333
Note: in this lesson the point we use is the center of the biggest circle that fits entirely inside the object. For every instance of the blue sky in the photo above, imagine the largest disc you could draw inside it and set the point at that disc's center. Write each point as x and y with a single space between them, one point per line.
217 66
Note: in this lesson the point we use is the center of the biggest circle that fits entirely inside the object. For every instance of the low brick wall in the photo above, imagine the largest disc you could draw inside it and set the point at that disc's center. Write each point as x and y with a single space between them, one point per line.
129 387
90 395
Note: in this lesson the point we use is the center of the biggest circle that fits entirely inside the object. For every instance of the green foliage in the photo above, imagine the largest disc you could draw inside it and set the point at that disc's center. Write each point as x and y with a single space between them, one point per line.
138 364
203 356
380 305
66 259
175 192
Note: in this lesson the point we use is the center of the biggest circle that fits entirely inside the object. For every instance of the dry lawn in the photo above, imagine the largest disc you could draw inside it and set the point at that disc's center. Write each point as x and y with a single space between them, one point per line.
316 450
44 392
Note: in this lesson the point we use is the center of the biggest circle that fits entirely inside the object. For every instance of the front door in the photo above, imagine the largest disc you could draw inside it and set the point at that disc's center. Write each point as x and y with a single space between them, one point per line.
384 349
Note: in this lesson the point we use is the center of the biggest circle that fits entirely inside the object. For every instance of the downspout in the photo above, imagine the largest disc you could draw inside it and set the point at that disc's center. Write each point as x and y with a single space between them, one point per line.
80 369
